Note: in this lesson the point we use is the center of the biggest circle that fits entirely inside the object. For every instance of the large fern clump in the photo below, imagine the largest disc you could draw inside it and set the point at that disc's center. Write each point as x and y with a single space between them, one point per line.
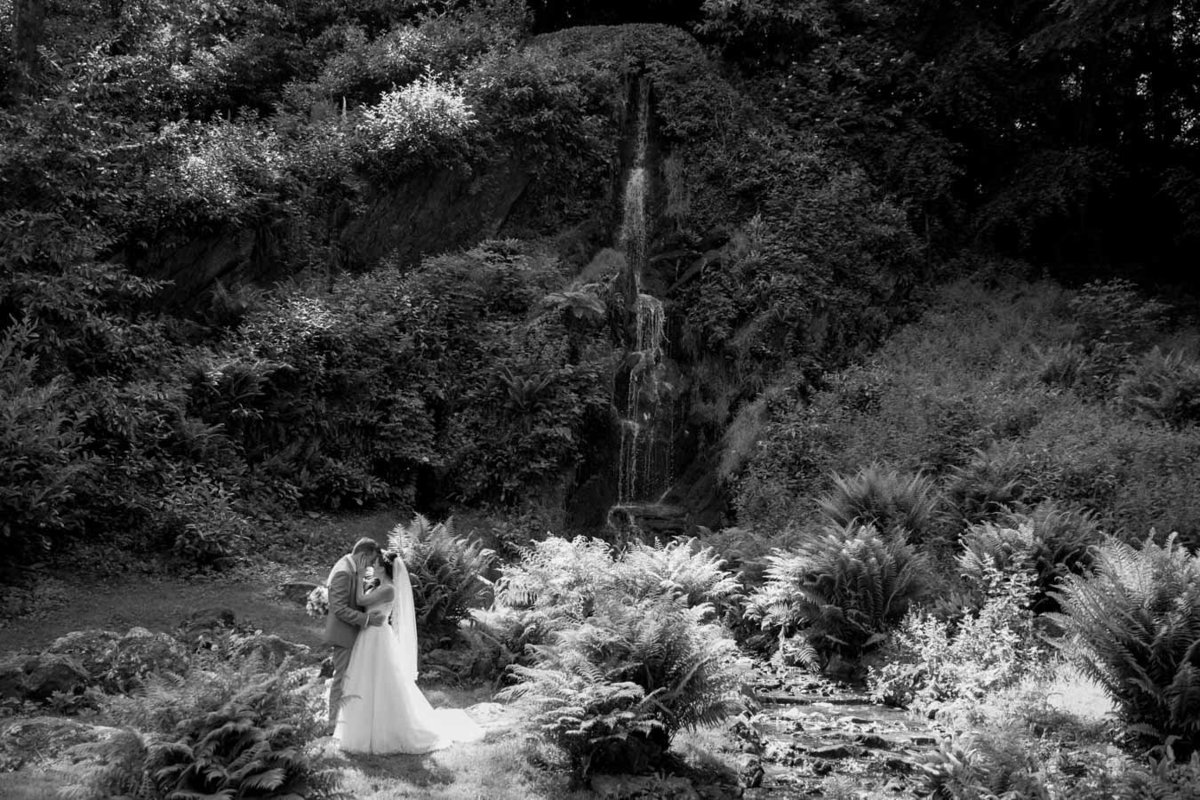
681 567
1134 627
557 584
996 481
234 732
886 498
841 590
613 690
1049 541
448 574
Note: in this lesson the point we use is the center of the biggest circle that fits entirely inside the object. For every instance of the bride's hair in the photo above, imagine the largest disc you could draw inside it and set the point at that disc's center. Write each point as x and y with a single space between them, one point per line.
387 558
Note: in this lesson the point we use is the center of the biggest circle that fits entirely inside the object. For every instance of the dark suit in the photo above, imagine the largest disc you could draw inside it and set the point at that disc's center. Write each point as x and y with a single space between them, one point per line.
342 624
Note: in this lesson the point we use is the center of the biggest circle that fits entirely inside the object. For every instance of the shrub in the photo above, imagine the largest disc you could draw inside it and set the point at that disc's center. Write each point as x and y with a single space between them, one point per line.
994 482
682 568
1114 312
937 661
251 746
1163 386
1133 627
197 516
224 730
42 458
614 690
886 498
448 574
558 584
1062 542
840 591
424 121
224 172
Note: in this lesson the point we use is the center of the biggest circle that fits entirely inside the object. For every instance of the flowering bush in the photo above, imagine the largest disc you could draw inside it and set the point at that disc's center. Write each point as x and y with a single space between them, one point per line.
318 602
424 120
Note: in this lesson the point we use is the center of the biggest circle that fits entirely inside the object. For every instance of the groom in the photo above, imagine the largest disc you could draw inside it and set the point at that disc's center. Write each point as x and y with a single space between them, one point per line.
345 619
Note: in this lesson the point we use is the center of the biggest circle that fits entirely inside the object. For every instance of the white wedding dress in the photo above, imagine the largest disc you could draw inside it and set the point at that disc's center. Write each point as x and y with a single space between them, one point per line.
383 711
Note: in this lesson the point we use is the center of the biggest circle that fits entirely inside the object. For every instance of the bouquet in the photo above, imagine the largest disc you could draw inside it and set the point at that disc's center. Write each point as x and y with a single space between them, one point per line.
318 602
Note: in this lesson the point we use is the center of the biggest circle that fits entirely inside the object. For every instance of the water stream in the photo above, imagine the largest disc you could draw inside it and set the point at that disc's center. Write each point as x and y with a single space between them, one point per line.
645 461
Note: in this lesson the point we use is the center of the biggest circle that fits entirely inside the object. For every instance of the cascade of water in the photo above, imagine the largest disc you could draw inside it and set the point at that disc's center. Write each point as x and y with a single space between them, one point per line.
646 447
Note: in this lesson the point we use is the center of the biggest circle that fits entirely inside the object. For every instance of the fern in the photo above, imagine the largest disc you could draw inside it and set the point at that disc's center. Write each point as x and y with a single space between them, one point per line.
669 668
682 567
1134 627
841 590
994 482
1048 540
886 498
447 574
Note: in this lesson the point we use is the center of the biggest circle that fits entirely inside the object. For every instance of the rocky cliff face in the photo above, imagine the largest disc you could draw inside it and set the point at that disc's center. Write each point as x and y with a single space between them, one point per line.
428 213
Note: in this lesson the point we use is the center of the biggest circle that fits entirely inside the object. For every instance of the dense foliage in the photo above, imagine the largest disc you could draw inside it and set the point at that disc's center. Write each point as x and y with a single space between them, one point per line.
989 413
616 654
1133 626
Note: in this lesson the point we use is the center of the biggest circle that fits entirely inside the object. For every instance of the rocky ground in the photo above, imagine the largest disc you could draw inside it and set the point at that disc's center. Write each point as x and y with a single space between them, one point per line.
813 737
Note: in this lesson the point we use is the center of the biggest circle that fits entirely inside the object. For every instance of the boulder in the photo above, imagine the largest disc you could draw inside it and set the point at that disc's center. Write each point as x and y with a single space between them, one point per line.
40 740
637 787
92 649
140 653
203 627
296 591
49 673
12 679
271 649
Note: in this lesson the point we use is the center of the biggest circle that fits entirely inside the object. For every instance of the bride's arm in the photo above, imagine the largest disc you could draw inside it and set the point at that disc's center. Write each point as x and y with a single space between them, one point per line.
373 597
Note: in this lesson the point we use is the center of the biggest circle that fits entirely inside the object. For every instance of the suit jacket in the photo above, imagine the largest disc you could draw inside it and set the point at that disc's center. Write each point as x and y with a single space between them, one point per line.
345 619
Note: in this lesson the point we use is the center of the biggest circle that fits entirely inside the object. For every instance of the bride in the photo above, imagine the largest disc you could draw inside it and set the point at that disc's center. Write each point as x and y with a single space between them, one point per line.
383 711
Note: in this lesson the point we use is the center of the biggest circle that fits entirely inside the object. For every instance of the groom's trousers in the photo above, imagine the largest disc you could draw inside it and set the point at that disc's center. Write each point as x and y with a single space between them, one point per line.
341 660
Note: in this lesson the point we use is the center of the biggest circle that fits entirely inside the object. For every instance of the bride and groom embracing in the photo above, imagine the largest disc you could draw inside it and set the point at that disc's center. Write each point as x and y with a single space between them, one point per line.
374 703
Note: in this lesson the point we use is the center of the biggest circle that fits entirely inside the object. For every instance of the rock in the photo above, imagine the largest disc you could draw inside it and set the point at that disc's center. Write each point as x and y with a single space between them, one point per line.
643 787
718 792
53 673
750 773
874 741
140 653
834 751
12 679
93 649
40 740
296 591
203 626
213 617
271 649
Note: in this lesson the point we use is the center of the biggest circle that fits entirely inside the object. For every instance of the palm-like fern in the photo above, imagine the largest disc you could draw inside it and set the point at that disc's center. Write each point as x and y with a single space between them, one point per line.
447 573
115 767
886 498
246 748
841 590
1050 541
681 567
992 483
671 669
239 735
1134 627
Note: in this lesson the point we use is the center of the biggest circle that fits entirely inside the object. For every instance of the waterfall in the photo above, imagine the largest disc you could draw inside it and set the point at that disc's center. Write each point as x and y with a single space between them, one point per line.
644 468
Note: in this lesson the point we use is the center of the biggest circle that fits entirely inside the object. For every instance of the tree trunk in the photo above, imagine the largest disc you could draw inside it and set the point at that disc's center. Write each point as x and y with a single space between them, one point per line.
29 20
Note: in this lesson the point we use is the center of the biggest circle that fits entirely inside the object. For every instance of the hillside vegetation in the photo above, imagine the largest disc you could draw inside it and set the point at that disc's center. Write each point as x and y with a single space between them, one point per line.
933 378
